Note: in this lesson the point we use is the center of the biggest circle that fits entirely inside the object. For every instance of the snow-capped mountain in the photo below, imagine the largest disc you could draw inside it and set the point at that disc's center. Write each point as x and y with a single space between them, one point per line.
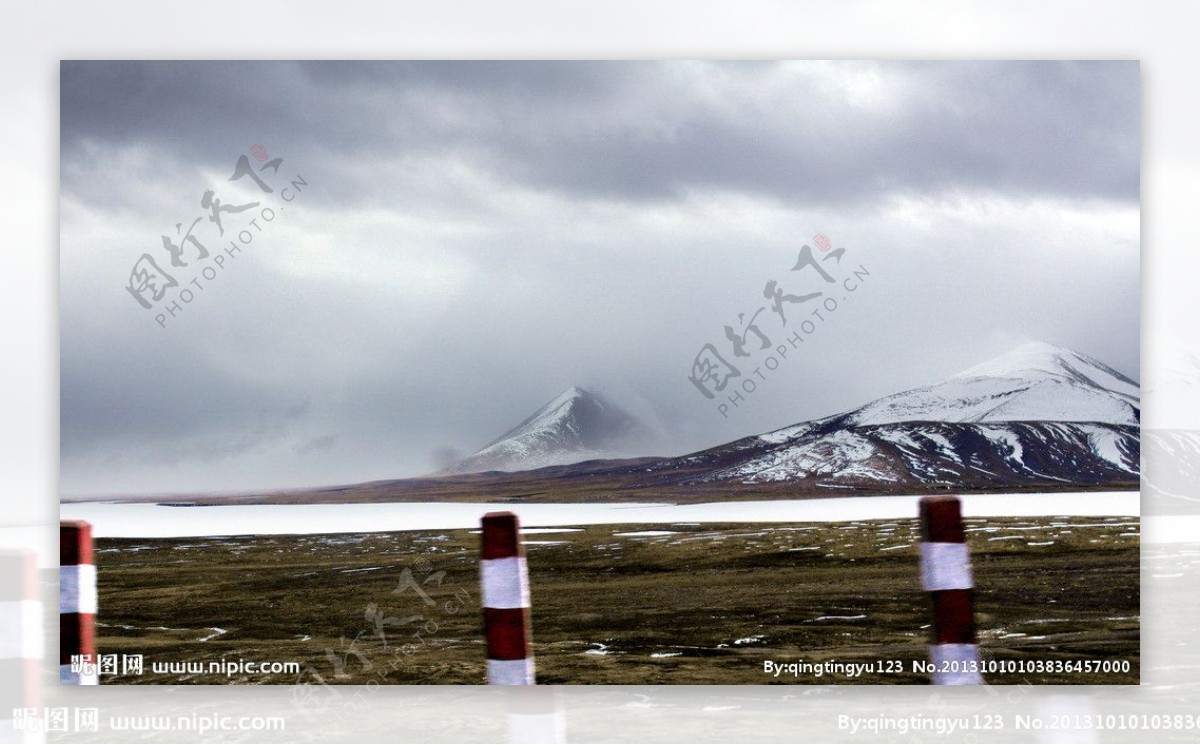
576 425
1034 382
1037 415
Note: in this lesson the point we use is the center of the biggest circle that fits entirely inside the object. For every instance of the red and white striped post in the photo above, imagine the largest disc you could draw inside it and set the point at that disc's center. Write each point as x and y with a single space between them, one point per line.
505 590
76 603
21 639
946 576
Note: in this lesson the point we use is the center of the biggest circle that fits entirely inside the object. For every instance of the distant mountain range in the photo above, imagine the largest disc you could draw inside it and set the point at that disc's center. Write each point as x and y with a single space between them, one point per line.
1038 415
1039 418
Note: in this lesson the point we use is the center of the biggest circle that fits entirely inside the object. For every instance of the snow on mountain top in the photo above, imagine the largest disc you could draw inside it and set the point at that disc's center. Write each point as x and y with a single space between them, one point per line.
575 425
554 414
1034 382
574 393
569 395
1039 359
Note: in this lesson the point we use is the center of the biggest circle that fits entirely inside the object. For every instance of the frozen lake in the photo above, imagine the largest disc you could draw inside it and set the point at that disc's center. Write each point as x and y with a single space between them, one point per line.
117 520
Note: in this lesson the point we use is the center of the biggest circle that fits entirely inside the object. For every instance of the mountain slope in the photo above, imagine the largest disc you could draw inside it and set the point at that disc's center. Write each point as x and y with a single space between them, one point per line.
1037 415
574 426
960 454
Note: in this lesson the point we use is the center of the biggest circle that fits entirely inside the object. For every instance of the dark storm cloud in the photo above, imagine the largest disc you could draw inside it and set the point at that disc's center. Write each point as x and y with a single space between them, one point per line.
640 131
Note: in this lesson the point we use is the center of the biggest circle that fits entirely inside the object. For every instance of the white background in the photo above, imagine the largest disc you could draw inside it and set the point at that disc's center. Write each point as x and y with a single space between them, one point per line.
35 36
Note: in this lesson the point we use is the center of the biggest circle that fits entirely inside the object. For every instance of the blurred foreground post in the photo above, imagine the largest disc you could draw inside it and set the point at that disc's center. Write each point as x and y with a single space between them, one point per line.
505 589
76 604
21 640
946 576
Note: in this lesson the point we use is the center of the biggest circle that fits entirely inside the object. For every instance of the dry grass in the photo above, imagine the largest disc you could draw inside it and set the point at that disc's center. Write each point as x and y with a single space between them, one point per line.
705 604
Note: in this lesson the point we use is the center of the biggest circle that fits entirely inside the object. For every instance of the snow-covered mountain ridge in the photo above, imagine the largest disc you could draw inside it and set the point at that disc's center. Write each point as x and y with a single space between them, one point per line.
1038 414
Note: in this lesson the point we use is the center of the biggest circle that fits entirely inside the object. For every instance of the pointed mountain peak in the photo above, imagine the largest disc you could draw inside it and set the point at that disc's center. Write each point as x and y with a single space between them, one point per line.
575 425
563 405
574 393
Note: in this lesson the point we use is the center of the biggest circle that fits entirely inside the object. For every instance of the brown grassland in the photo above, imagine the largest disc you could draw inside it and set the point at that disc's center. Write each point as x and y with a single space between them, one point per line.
698 604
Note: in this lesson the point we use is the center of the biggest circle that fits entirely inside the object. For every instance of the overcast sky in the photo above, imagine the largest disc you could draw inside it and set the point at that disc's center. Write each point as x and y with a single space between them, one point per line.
473 238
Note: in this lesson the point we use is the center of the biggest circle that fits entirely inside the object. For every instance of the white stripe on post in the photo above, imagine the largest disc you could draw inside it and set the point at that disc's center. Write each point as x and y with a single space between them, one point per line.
945 566
505 593
67 677
21 636
510 672
946 576
77 589
21 640
77 604
952 664
505 583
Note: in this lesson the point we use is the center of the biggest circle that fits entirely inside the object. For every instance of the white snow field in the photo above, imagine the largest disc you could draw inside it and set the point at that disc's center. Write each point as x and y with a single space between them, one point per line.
133 520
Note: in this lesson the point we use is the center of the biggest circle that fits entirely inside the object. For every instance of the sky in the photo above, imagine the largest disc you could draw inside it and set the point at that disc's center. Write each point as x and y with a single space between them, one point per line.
446 246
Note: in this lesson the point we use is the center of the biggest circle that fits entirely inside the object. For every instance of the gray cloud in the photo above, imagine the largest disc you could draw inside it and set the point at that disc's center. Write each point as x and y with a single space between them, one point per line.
635 131
477 237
